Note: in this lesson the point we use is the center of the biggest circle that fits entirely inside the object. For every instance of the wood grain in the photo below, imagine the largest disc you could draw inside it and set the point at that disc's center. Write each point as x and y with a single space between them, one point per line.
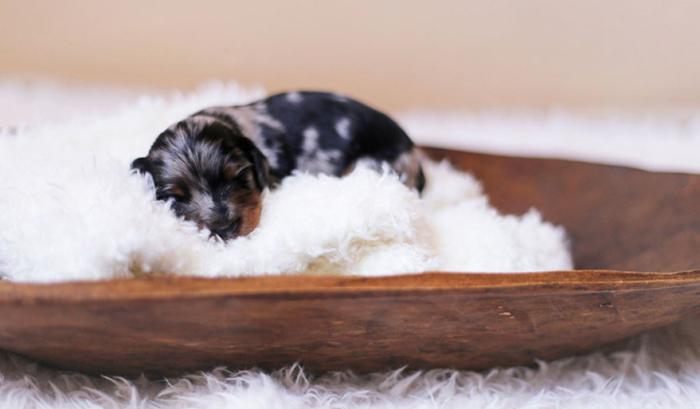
619 218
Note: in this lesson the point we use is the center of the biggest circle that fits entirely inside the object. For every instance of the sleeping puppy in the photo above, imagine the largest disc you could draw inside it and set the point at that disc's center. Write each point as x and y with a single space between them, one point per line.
214 164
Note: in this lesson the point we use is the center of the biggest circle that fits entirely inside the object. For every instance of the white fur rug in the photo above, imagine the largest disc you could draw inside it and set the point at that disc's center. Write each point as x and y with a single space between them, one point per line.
657 370
71 209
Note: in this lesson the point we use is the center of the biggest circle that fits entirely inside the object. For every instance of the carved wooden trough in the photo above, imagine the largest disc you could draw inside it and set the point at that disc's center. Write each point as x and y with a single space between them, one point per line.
644 225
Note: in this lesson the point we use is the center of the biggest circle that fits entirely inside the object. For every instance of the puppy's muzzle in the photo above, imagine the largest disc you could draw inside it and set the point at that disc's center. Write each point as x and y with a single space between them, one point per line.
226 229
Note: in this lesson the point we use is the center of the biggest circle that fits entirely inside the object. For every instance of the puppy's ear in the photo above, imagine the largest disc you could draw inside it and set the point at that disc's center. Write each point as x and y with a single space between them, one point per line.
142 165
231 138
262 168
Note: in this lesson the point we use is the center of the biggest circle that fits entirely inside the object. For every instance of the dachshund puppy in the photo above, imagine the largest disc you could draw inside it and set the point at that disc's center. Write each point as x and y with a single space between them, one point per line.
214 165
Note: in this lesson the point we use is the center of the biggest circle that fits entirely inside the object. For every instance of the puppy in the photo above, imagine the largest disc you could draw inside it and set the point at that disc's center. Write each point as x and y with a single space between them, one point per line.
214 165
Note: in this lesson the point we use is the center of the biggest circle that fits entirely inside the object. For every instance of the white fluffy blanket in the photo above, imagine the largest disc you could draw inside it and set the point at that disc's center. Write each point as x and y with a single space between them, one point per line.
71 209
659 370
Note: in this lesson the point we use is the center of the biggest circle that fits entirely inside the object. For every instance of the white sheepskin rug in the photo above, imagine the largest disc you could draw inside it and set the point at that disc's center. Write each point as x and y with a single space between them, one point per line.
71 209
657 370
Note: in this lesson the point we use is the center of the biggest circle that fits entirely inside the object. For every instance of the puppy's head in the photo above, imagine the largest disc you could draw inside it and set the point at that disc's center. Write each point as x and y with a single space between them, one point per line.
212 175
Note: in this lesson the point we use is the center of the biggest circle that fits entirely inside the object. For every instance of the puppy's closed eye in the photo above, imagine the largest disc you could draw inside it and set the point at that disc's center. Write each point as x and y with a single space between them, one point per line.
176 192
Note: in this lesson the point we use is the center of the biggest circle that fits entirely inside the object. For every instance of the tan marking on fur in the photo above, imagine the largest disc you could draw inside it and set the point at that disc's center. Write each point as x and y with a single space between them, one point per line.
245 117
249 205
250 217
250 118
408 166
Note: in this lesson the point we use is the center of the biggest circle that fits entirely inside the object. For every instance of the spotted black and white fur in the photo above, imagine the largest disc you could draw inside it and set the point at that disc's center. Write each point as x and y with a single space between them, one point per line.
214 164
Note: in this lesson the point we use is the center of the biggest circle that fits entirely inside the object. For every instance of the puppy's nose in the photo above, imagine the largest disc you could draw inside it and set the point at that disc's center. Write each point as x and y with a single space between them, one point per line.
227 229
221 209
221 223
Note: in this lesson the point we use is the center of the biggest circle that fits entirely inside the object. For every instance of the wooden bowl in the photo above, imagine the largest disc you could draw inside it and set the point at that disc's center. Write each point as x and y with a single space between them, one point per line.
618 218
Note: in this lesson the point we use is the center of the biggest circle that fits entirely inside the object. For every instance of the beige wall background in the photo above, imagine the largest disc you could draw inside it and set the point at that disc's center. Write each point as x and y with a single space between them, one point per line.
582 54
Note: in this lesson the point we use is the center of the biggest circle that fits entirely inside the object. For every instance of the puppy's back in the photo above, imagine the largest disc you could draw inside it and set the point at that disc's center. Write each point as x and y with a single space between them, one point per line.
324 126
323 132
